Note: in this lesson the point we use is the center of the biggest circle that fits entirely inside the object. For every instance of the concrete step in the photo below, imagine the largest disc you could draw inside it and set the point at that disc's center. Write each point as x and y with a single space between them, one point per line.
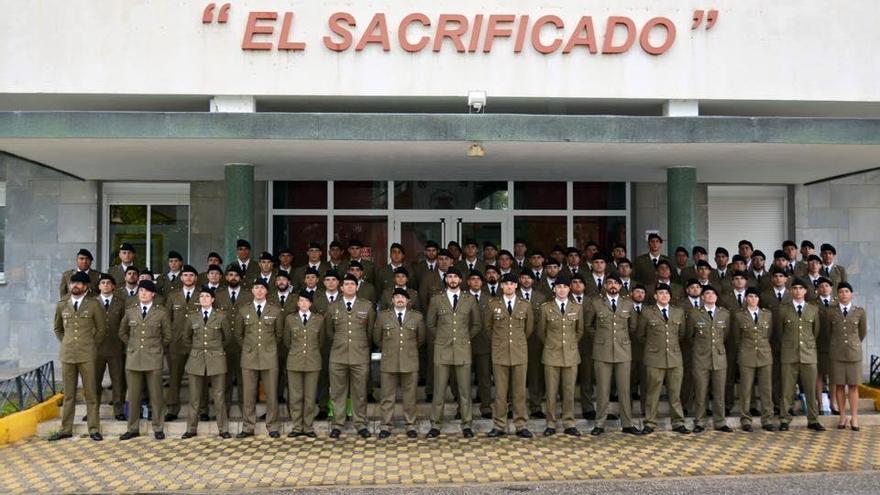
174 429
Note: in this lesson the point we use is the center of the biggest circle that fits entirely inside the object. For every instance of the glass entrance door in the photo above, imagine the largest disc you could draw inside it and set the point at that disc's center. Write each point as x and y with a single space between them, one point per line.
481 231
413 230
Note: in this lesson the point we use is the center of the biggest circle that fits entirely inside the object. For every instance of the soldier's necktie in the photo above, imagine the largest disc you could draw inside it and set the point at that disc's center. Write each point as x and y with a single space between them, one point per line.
471 266
626 286
739 300
826 302
205 317
188 296
144 314
816 283
711 316
348 306
131 293
574 271
665 316
528 296
454 301
107 304
431 268
305 320
614 305
243 267
331 298
638 310
400 319
655 261
492 291
259 310
265 280
579 299
756 317
283 297
599 283
75 306
232 297
779 296
477 297
799 310
509 308
845 312
827 272
173 277
696 304
562 308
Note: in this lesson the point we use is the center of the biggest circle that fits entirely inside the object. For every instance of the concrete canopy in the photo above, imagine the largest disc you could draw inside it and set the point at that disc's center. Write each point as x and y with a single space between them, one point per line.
194 146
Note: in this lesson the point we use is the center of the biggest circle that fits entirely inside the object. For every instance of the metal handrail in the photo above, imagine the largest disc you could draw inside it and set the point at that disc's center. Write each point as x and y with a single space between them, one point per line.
27 389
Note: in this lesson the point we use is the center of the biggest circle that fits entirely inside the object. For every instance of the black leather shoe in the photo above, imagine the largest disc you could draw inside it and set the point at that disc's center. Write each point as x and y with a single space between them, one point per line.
591 415
467 433
96 436
129 435
725 429
433 433
170 417
697 429
225 435
311 434
159 435
495 433
572 431
783 426
384 434
549 432
412 434
524 433
244 434
60 436
187 435
487 415
120 417
596 431
204 417
631 430
294 434
274 434
747 428
364 433
770 428
538 415
681 429
816 427
647 430
334 433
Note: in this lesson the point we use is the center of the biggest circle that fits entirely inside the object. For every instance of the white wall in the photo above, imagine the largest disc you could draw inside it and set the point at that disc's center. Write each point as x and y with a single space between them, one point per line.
784 50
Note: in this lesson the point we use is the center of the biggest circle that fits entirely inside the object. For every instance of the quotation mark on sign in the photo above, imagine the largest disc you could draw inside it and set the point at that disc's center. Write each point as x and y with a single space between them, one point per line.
711 17
208 14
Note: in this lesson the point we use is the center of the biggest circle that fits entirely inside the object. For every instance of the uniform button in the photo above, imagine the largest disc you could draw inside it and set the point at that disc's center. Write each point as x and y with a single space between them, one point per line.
206 343
258 345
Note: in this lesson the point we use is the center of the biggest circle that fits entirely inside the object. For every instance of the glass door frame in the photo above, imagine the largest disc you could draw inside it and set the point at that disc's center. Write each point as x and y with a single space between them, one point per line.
451 220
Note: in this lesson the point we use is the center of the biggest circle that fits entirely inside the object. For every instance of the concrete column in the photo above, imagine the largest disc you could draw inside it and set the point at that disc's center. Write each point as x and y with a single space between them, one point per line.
681 187
238 205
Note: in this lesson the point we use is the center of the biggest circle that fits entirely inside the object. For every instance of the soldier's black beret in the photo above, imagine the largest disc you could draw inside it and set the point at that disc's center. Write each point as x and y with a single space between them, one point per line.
444 252
174 255
207 290
753 291
527 273
400 292
349 277
432 244
739 273
397 245
613 277
401 269
355 243
127 246
692 281
189 269
132 268
663 287
491 267
234 269
86 253
551 261
242 243
775 269
758 253
828 247
80 277
285 250
698 250
738 257
356 264
845 285
214 254
260 281
475 273
510 277
306 294
824 280
703 263
283 273
788 243
332 274
336 244
654 235
314 245
215 268
312 271
148 285
814 257
799 282
779 254
505 252
707 288
807 244
266 255
721 250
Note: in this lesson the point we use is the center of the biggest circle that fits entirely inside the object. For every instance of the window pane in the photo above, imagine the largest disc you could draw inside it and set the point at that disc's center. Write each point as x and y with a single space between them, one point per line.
360 194
599 195
450 195
169 230
372 231
540 232
299 194
605 231
414 236
539 195
482 232
128 223
296 232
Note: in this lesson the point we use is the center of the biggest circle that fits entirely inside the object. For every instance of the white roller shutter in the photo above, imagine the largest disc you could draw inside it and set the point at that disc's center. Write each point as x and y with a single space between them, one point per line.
756 213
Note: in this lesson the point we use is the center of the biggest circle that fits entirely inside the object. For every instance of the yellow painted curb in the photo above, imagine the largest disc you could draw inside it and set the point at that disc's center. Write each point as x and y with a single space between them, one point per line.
24 424
872 393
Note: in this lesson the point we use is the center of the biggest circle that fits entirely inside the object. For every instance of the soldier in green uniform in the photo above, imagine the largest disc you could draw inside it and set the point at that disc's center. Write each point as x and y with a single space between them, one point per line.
248 270
848 326
304 335
146 331
825 300
230 300
84 260
111 350
510 323
126 256
170 281
349 322
610 321
366 290
469 261
645 267
707 331
400 281
661 329
385 277
258 328
399 331
128 286
355 253
453 320
481 345
313 260
534 369
321 302
830 269
798 328
266 272
773 298
80 325
181 303
560 327
638 374
432 283
286 298
752 329
205 334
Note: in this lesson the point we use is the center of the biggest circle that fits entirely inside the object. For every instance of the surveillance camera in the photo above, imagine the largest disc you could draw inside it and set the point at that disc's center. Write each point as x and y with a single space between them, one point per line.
477 101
